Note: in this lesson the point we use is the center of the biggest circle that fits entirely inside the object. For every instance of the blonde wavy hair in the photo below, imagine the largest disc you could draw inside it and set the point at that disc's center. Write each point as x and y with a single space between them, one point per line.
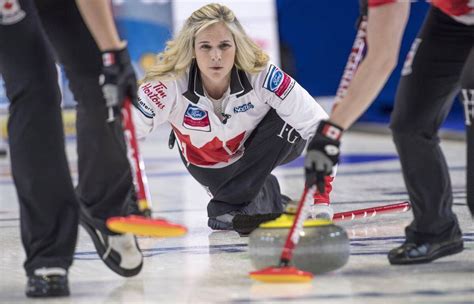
179 52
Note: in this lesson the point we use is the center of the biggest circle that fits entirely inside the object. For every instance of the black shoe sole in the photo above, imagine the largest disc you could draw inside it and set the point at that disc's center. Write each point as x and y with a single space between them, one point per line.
40 287
441 252
48 294
218 225
113 259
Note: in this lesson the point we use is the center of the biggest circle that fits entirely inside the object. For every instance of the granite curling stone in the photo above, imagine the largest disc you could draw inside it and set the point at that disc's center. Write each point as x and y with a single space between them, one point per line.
323 246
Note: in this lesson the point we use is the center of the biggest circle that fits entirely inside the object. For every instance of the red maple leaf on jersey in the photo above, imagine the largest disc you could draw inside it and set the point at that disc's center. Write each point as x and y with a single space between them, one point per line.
212 152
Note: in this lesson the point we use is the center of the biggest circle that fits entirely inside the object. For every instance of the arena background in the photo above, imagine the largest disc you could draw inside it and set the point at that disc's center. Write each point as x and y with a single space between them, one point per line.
309 39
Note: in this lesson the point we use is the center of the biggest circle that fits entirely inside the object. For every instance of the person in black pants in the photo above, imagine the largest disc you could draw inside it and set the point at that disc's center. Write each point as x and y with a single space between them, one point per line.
439 65
34 34
431 78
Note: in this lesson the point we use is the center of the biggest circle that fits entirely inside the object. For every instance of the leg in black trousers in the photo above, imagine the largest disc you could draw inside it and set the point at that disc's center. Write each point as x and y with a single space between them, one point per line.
423 100
467 99
48 206
105 187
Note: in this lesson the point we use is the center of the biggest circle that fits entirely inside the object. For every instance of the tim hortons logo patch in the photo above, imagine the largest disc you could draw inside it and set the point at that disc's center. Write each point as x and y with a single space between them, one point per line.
196 119
278 82
156 93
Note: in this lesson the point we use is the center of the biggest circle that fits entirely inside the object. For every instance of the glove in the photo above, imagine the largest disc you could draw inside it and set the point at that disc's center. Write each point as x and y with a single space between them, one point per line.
322 154
118 80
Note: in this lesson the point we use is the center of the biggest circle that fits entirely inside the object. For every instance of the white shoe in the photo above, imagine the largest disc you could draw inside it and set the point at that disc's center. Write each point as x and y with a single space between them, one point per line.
321 211
316 211
119 252
126 245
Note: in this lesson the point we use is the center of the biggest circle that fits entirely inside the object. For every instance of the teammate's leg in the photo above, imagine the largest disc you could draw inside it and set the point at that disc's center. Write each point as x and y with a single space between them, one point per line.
467 99
424 97
48 205
105 182
105 187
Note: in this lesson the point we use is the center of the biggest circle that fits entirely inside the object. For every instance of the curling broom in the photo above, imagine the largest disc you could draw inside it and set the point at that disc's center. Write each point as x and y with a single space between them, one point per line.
140 225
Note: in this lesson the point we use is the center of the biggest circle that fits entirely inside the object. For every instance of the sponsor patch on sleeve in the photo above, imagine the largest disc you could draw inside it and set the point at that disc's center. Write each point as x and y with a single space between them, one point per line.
155 93
145 108
196 119
278 82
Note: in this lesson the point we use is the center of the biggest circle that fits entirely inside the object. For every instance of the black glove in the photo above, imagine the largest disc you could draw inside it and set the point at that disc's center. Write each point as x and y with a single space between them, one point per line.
322 154
118 80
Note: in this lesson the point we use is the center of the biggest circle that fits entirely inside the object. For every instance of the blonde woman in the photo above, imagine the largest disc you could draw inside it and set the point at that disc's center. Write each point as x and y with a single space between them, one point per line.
235 115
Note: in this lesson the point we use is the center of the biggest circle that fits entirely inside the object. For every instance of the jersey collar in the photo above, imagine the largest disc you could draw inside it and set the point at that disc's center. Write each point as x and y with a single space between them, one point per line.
239 83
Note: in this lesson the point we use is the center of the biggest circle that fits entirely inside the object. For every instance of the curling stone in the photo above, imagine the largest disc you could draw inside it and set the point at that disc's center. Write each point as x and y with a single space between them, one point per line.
322 246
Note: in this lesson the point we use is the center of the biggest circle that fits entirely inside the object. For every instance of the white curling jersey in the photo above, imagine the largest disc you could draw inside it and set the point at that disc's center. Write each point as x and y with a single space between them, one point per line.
205 140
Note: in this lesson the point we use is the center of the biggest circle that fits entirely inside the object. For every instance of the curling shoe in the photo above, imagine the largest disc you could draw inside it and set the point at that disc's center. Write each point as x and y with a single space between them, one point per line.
316 211
120 252
222 222
48 282
411 253
321 211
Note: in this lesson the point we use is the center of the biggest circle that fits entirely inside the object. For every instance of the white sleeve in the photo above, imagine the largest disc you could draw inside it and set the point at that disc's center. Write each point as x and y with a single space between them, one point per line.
291 101
156 99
